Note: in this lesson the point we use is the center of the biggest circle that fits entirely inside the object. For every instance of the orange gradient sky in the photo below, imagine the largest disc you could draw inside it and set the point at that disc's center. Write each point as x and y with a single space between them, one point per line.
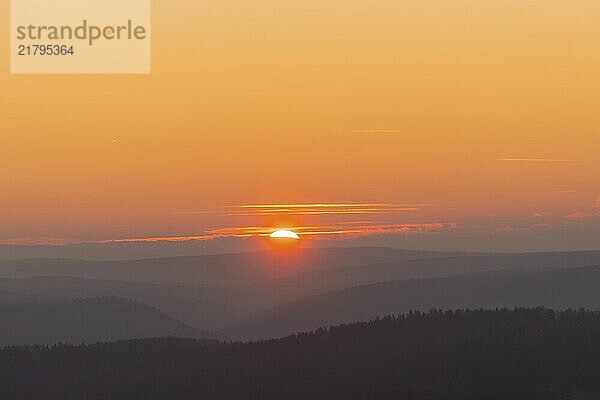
416 113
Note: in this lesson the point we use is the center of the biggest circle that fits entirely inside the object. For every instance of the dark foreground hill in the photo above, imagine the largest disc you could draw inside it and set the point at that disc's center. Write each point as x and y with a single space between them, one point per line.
495 355
85 321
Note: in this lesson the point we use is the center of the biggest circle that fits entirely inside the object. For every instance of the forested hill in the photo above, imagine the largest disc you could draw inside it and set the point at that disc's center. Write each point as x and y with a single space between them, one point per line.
468 355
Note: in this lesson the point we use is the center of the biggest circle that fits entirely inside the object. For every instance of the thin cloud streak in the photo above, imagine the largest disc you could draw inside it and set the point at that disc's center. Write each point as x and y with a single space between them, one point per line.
309 209
313 205
371 132
337 229
307 231
35 241
324 209
358 211
536 160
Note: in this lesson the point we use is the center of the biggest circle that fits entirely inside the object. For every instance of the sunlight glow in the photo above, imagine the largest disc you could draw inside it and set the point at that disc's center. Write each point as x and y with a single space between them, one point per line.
285 234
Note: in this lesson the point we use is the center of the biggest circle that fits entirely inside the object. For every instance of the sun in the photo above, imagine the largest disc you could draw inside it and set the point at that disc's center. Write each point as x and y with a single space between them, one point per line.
284 234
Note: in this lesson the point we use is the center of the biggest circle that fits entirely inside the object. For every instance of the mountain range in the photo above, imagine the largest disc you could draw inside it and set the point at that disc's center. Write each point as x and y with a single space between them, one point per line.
278 292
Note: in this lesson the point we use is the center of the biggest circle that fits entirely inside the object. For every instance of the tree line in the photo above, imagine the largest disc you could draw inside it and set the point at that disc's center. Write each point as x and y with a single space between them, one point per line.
504 354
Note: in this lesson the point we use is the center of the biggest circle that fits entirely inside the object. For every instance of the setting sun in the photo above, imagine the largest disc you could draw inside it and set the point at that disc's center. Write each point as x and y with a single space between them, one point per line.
284 234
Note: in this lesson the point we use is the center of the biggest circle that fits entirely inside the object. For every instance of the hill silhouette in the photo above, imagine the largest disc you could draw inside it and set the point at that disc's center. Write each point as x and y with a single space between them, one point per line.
553 288
269 293
533 354
220 270
202 308
85 321
318 281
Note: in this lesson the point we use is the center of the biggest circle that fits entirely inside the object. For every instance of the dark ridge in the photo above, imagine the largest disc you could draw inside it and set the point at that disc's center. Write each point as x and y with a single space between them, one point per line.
533 354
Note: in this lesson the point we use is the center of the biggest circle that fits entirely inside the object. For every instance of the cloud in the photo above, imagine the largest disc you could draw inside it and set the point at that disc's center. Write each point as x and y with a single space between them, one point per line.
535 160
522 229
35 241
371 132
324 209
309 231
340 228
585 215
580 215
261 210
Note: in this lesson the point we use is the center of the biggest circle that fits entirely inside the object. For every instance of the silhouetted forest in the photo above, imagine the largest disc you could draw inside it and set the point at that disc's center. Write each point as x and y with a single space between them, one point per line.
505 354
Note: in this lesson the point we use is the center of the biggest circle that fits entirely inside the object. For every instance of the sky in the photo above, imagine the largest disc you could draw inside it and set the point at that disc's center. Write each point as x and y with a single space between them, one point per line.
334 118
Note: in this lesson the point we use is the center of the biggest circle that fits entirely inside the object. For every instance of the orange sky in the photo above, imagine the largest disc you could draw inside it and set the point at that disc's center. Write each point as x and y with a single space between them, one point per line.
484 111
